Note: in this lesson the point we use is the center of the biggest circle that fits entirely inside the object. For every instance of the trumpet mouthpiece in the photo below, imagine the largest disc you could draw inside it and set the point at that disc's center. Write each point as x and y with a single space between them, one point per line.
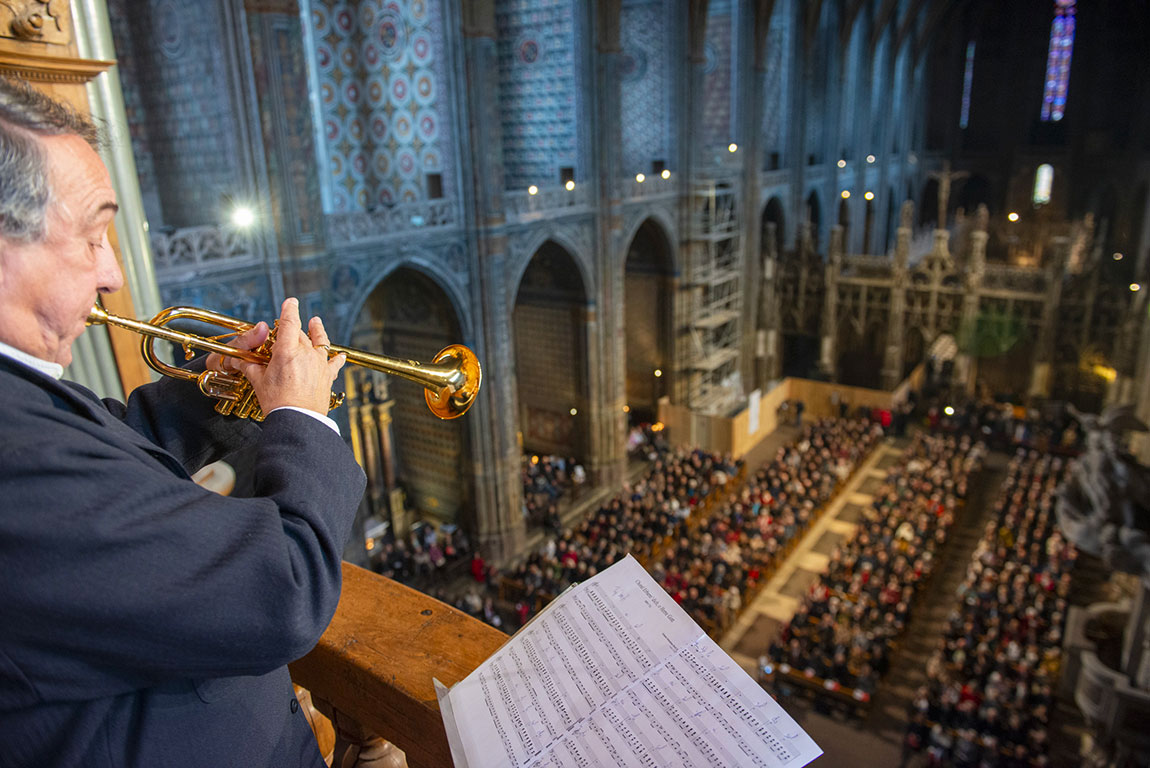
98 316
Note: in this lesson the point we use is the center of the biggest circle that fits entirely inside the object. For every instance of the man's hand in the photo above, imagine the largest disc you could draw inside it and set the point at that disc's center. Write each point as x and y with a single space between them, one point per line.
300 374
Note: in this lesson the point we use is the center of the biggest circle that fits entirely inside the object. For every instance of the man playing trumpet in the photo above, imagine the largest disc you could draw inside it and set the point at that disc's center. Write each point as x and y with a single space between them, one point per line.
146 621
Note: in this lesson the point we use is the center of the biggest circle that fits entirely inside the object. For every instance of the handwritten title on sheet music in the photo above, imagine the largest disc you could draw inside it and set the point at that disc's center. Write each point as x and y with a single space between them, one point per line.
662 609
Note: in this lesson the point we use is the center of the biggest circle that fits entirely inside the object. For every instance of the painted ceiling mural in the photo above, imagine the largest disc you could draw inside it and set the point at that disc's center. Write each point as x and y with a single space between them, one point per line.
539 91
645 70
383 100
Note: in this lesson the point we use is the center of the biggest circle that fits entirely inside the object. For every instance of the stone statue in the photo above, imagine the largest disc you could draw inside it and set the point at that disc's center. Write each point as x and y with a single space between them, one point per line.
982 218
906 216
1104 506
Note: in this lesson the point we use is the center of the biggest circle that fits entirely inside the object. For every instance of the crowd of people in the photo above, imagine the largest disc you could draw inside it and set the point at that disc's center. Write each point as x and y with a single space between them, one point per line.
545 480
989 690
710 571
1005 426
635 521
422 556
846 624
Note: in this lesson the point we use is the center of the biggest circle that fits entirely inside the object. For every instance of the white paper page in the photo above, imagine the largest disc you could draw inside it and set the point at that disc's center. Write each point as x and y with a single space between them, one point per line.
603 635
699 710
618 674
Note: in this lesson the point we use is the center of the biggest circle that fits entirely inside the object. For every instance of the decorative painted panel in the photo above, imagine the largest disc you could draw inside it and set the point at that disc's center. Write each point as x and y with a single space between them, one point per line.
279 64
176 88
717 77
539 90
383 100
646 84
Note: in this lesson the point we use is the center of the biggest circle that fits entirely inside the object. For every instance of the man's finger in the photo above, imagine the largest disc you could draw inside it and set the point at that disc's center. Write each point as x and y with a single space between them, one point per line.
317 333
290 326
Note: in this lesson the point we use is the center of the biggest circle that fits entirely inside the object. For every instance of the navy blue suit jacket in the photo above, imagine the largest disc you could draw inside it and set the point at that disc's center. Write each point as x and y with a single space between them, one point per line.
145 621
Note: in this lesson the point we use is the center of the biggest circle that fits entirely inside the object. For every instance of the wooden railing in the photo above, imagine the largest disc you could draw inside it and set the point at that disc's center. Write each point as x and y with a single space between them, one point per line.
374 664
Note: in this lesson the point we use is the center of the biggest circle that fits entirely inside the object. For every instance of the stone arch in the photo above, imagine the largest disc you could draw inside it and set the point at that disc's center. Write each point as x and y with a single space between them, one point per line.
409 314
552 347
647 320
814 215
928 209
914 348
666 223
521 257
421 261
976 191
774 213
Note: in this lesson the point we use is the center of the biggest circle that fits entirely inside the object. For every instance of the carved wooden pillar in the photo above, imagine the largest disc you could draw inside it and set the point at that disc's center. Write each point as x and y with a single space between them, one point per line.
356 746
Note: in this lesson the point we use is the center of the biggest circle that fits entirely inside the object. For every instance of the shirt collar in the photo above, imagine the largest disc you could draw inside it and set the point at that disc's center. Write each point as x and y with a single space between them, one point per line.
55 370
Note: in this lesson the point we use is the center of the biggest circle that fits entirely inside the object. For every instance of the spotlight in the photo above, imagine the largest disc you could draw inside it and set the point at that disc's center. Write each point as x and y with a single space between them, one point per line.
869 195
659 371
574 411
626 409
732 147
640 178
243 217
533 190
665 174
948 410
846 193
570 185
1118 257
1012 216
842 163
870 158
1135 287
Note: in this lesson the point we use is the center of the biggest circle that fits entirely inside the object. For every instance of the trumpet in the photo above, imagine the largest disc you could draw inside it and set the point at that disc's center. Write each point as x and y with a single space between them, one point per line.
450 382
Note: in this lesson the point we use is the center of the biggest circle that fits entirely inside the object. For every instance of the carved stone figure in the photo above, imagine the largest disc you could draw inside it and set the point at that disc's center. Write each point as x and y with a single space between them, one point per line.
906 216
1104 506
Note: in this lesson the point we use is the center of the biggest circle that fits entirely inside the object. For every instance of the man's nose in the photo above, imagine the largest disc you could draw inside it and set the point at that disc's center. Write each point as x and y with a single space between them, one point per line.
111 277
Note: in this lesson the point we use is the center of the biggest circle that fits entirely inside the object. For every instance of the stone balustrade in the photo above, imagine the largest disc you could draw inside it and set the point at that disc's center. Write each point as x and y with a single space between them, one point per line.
652 186
371 672
522 206
194 248
399 219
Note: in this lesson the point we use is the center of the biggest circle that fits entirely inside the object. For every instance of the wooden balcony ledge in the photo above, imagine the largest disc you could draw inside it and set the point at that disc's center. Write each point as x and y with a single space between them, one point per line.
375 662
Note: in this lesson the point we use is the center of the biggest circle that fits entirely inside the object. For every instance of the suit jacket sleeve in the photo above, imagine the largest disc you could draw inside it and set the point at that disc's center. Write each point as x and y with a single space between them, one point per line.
120 573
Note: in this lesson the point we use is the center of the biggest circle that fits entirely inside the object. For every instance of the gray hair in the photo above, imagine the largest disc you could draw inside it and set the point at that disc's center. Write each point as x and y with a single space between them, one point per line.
25 115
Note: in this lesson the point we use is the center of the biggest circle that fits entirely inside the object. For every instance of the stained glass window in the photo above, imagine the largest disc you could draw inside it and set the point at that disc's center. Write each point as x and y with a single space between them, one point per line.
967 80
1043 181
1058 61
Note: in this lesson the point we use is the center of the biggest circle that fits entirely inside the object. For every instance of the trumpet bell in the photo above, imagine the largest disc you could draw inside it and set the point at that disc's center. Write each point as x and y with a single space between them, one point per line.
447 402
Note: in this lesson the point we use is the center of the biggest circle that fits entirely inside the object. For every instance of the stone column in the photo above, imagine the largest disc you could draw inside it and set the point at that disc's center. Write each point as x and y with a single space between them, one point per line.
493 431
828 355
767 353
1044 349
896 336
970 300
608 457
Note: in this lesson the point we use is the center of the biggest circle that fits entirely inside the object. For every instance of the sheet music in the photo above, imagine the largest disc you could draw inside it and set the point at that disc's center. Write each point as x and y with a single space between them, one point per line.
614 672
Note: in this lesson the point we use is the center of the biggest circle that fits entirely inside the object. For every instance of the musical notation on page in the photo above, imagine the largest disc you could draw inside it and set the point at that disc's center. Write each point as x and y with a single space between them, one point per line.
614 672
